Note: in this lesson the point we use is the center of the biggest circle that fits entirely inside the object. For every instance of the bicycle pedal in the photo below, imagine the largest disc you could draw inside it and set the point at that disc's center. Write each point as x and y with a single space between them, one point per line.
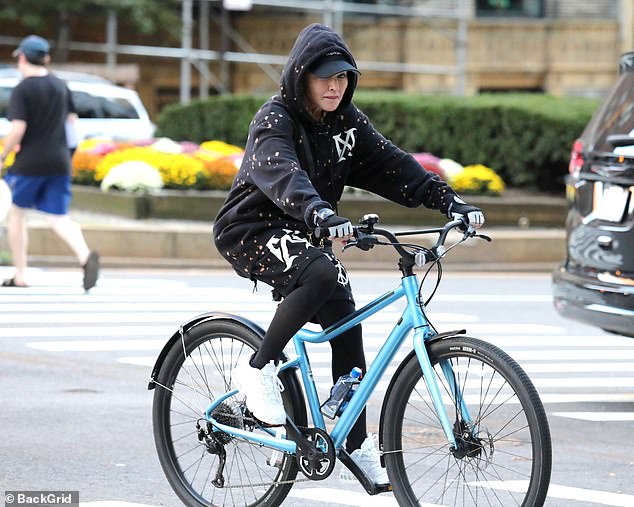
368 485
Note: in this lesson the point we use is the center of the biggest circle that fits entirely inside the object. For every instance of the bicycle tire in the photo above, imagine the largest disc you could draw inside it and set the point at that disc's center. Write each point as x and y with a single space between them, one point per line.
196 370
509 460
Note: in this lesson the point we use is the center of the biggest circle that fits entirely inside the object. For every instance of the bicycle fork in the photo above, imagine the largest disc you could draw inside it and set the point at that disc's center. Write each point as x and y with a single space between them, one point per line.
421 334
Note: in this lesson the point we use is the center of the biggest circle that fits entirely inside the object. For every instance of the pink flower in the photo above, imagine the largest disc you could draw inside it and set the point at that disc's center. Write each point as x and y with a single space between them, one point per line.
430 163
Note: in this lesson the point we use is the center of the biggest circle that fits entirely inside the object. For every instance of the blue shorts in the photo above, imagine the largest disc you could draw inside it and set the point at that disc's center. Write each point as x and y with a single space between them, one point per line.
50 194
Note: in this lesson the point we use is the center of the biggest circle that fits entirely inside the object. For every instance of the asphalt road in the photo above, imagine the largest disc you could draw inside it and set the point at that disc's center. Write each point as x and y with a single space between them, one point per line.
76 414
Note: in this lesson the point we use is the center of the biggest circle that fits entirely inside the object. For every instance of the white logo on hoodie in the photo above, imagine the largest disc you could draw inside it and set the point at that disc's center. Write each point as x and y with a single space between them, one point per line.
344 146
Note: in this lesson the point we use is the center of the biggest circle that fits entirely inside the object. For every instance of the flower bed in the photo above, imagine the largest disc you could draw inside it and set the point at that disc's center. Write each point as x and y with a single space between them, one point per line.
152 165
474 179
161 163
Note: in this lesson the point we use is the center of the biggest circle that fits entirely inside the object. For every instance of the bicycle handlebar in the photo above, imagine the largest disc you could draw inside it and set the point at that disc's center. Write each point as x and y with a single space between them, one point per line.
366 236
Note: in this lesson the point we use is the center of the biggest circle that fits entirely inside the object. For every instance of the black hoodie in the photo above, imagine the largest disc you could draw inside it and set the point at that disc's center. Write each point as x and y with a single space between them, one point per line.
294 165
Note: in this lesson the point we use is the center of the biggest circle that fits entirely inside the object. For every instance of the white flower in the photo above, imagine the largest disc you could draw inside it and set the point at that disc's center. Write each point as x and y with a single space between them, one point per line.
166 145
133 176
450 168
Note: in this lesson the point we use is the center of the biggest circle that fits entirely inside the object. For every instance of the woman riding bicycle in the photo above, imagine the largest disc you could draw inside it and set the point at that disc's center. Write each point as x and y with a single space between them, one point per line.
305 144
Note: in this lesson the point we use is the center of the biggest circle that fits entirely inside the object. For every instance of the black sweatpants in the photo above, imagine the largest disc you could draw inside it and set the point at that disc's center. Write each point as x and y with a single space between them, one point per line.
317 296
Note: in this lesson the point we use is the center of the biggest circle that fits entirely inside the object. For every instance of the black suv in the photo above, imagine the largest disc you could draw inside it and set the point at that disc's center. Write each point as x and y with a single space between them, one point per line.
595 284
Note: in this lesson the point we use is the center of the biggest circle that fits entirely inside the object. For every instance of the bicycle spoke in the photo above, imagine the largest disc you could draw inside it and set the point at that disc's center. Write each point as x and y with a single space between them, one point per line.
493 424
201 367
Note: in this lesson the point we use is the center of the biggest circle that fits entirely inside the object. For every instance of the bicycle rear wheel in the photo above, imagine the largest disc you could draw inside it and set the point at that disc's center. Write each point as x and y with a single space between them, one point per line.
197 370
504 450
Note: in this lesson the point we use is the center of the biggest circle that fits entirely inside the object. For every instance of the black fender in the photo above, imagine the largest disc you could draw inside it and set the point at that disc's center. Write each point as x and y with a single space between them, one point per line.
440 336
291 381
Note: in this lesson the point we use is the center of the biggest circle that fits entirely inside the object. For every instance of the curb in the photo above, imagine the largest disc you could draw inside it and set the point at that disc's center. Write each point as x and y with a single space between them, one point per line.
173 244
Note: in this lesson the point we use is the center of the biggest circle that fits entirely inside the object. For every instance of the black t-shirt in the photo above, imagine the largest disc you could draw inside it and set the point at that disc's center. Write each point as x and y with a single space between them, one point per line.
43 102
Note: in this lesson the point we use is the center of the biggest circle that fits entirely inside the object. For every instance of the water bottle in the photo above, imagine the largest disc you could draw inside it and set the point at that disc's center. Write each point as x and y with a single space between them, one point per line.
341 393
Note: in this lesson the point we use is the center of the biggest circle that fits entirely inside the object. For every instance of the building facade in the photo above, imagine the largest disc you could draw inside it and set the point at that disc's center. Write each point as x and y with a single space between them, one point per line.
560 47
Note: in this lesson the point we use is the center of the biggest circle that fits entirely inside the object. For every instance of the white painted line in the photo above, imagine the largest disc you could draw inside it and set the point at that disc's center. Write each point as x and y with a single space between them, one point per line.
572 355
587 398
88 317
130 314
584 382
66 290
155 295
345 497
495 298
578 367
570 493
138 361
192 307
516 328
97 345
598 416
556 341
364 297
98 331
519 355
112 503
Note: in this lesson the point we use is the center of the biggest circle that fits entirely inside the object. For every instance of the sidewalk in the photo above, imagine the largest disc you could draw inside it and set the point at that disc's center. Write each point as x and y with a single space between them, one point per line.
155 243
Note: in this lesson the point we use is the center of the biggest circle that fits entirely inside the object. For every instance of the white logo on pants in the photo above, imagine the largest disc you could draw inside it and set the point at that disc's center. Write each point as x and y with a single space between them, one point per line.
279 246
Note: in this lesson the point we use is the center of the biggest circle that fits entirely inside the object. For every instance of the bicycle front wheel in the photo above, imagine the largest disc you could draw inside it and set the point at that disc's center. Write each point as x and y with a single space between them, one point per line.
503 455
198 369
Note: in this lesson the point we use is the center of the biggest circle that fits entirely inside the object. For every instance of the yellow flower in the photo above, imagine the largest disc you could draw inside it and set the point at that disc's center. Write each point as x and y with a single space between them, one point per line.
177 170
210 168
220 148
477 179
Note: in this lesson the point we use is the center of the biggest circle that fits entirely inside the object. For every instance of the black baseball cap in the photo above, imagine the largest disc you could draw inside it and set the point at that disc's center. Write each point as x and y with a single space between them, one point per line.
331 64
33 47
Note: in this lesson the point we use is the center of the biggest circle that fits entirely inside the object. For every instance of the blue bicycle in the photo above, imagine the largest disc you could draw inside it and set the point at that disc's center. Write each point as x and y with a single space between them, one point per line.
461 422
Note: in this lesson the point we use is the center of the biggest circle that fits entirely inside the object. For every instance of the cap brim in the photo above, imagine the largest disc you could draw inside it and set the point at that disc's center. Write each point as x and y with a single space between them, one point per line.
330 68
16 52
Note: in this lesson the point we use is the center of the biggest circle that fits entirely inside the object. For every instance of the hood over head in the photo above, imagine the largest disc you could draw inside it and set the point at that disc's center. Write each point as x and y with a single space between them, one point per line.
317 46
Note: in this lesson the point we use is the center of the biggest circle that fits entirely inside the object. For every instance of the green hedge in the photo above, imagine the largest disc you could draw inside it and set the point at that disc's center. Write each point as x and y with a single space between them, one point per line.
525 138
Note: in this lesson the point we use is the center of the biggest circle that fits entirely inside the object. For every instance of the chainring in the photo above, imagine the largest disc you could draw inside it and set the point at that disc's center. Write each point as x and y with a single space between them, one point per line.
323 464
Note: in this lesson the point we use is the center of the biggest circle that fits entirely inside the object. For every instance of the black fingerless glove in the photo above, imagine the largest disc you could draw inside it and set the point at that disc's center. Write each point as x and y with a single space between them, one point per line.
331 225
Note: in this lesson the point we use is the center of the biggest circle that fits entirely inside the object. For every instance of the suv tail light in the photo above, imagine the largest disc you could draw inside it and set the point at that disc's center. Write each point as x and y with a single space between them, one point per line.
576 158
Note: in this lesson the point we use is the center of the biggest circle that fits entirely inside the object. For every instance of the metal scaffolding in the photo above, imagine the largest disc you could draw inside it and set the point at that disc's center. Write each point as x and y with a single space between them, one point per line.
332 13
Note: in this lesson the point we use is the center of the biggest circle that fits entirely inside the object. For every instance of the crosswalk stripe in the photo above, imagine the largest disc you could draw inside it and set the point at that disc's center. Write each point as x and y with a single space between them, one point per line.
123 317
175 314
597 416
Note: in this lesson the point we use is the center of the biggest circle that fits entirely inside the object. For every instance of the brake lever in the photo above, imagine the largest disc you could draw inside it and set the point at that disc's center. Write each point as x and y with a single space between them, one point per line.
484 237
362 240
349 244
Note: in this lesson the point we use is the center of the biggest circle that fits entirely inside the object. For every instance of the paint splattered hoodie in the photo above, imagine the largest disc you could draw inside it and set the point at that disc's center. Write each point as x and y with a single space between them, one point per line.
294 165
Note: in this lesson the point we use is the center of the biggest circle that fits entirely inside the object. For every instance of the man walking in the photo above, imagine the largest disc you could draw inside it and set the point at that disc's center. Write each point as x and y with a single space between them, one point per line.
40 178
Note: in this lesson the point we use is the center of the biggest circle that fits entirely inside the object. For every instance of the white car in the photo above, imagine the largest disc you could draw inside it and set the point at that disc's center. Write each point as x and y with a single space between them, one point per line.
105 110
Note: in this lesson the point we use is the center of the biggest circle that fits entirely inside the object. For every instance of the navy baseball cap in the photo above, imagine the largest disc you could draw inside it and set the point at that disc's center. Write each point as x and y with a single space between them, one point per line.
33 46
331 64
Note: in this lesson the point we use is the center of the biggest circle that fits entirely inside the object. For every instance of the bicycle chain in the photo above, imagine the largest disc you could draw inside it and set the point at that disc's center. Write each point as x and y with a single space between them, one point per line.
272 483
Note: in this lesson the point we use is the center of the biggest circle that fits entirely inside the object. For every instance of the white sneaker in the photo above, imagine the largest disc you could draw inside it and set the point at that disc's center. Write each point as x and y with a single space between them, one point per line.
367 459
262 391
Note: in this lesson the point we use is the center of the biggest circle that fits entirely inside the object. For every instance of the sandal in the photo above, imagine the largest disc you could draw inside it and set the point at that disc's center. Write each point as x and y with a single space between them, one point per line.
10 282
91 271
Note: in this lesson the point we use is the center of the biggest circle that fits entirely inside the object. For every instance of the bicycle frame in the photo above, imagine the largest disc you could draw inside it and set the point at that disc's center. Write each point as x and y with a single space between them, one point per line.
413 318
